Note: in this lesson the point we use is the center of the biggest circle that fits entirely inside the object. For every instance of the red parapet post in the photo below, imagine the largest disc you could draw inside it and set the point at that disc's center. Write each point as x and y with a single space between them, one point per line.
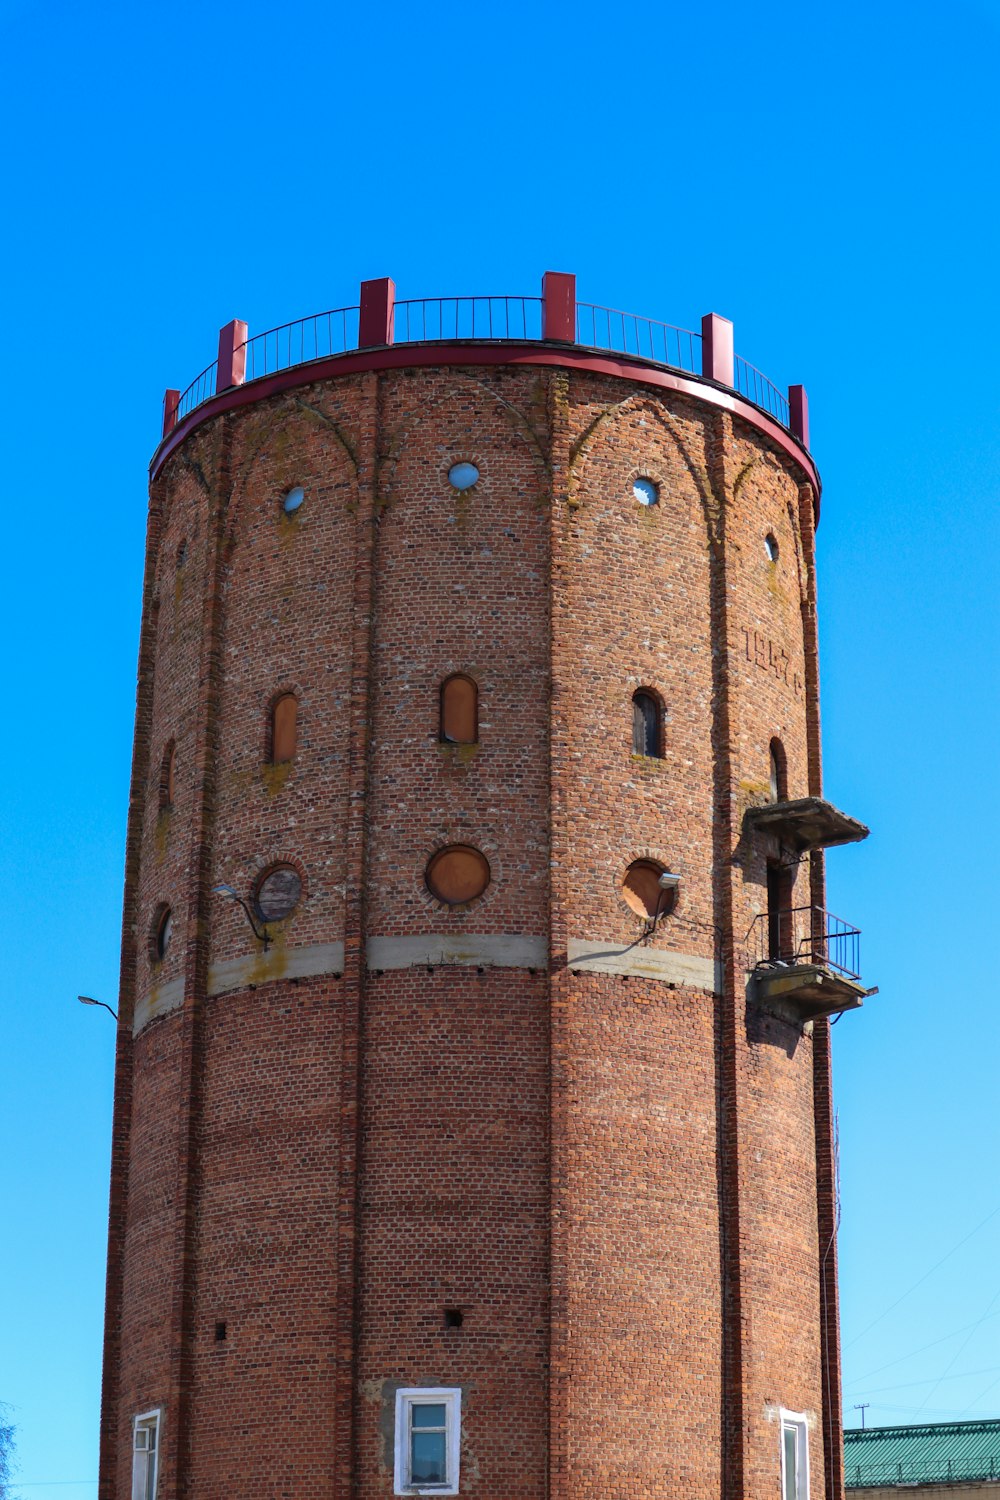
171 401
559 306
232 355
717 348
378 299
798 413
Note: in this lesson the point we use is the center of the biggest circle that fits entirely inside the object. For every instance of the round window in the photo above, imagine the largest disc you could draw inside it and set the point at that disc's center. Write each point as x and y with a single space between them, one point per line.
771 547
642 890
462 476
457 874
277 893
645 491
293 500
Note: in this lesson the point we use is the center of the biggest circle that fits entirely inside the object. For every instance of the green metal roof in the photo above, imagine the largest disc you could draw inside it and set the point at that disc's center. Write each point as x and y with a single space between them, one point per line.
934 1454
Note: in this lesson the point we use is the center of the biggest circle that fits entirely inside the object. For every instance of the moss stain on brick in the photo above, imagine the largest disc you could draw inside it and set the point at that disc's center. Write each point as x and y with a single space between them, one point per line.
275 778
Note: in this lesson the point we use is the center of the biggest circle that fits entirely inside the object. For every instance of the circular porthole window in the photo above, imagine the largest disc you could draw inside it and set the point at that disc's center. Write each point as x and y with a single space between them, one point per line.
457 874
293 500
277 893
771 547
643 892
163 927
646 491
462 476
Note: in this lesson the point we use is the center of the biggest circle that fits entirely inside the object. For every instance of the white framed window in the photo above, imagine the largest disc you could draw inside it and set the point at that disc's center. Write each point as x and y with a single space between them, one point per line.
145 1454
428 1440
794 1456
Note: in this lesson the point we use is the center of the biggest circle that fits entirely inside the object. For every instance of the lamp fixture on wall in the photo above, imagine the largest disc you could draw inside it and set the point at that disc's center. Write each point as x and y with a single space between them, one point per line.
260 933
88 1000
669 884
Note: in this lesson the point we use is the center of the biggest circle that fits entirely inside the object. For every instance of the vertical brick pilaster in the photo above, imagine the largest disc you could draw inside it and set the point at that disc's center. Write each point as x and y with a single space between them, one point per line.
175 1452
810 641
354 937
717 358
736 1313
560 978
110 1380
559 306
826 1157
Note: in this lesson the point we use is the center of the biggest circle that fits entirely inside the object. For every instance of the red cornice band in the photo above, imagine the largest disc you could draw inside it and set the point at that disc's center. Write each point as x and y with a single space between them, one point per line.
400 356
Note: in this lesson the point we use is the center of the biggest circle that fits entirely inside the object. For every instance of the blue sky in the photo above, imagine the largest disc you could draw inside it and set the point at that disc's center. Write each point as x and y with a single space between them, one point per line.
825 176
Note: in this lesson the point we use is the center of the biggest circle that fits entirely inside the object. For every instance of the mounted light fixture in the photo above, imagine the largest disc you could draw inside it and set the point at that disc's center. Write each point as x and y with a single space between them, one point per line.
88 1000
260 933
668 884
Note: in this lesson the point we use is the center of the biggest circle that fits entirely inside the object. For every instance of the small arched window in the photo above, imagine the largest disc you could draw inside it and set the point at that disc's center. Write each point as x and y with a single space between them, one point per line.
168 777
647 725
779 772
459 710
284 727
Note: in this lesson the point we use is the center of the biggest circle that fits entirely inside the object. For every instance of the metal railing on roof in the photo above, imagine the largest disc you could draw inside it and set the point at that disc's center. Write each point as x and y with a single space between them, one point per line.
490 318
625 333
428 319
316 337
201 387
761 391
875 1472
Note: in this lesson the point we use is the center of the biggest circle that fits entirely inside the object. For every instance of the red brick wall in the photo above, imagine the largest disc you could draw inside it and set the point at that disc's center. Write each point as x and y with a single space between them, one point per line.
266 1221
643 1260
287 615
613 1177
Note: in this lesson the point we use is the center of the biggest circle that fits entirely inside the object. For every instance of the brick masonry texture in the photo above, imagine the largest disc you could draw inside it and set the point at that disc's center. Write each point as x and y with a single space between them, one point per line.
625 1186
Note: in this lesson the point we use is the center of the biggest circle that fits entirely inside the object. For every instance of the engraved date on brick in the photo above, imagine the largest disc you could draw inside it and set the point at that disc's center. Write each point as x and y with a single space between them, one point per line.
771 657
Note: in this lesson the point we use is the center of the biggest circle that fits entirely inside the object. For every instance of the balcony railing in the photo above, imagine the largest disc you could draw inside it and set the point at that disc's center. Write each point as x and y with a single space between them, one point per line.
804 935
555 317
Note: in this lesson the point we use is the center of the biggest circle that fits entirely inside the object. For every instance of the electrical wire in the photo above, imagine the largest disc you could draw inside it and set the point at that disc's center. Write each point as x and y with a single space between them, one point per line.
937 1411
933 1344
932 1380
923 1278
958 1351
979 1398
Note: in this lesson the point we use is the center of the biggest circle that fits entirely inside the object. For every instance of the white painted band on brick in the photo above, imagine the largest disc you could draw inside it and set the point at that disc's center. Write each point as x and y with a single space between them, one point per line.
280 963
479 950
307 962
157 1002
644 963
493 950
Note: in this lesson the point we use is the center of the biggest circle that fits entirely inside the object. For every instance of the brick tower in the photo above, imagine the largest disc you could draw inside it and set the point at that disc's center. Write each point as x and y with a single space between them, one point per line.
473 1127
